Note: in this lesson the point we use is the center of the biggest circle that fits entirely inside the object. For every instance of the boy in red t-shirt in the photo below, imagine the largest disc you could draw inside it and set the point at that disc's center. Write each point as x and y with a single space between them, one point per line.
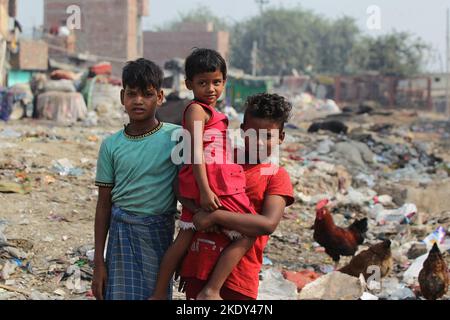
270 191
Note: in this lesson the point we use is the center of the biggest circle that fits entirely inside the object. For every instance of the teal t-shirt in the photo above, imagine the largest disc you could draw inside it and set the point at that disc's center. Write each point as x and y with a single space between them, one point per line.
140 171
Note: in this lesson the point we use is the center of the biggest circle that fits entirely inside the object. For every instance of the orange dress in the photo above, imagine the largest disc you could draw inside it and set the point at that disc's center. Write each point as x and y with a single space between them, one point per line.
226 178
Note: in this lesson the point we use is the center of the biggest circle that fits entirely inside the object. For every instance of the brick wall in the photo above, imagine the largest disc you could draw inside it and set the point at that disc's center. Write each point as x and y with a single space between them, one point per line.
33 55
108 27
163 46
135 47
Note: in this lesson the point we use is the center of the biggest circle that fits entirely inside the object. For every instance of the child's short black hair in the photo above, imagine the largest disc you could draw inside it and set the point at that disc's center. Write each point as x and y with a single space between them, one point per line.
142 73
204 60
269 107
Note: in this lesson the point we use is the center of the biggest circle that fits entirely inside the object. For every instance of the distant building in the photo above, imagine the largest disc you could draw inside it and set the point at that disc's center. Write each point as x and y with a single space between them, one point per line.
9 32
166 45
110 29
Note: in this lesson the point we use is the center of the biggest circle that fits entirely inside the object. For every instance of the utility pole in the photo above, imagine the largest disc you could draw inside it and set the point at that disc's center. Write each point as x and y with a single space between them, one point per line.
257 45
254 58
261 4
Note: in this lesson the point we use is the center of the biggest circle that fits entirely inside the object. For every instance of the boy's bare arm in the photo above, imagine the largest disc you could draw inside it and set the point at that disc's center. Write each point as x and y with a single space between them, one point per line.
247 224
102 220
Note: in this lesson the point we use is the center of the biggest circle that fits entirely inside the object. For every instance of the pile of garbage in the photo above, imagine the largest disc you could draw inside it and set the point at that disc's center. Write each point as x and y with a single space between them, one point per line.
66 97
15 102
307 107
393 170
71 275
46 235
385 173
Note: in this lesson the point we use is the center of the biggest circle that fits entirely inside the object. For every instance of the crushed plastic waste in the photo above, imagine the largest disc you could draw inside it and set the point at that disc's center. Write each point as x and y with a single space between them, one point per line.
438 236
403 215
392 170
64 167
273 286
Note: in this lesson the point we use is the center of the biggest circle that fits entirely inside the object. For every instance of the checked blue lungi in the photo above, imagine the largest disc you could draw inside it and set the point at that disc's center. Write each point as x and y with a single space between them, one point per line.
135 249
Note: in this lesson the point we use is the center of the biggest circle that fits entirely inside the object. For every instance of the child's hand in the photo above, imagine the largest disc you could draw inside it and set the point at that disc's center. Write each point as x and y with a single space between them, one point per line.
202 220
204 223
99 281
209 201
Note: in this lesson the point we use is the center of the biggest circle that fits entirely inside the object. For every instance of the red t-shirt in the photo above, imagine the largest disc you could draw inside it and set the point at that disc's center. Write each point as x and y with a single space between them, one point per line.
205 249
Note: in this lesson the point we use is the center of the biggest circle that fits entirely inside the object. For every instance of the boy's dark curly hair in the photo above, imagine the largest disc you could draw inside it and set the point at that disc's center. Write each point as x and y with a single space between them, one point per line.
204 60
269 107
141 74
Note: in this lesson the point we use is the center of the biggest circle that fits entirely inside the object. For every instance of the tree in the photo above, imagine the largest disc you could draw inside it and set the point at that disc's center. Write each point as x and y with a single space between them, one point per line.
398 54
336 45
294 38
284 40
201 13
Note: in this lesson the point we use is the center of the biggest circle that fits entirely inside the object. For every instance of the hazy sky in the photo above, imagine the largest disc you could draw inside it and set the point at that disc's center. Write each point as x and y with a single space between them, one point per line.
423 18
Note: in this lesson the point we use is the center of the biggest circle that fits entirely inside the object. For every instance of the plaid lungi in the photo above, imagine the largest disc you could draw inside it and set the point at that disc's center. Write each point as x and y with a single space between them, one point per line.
135 249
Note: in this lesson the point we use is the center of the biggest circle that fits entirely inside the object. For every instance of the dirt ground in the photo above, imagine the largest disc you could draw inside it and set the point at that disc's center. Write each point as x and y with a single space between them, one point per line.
54 223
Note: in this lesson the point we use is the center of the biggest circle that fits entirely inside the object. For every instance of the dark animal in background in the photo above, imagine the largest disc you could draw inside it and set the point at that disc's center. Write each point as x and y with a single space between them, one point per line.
333 126
364 109
347 110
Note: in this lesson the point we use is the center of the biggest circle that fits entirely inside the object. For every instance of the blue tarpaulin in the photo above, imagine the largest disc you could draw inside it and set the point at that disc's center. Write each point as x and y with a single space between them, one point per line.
6 103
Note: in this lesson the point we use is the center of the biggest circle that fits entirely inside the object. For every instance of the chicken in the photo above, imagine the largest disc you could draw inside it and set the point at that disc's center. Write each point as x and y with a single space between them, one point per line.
433 278
378 255
337 241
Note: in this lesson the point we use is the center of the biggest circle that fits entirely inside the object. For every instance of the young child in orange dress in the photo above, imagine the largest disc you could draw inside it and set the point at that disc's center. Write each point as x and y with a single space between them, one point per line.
212 181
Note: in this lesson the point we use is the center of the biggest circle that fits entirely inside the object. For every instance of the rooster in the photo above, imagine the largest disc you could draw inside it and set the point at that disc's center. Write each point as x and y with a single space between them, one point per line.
337 241
378 255
433 278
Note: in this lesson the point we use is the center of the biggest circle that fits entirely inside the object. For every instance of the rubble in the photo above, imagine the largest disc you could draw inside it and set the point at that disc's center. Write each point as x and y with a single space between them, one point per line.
387 173
417 249
273 286
384 165
392 289
300 278
333 286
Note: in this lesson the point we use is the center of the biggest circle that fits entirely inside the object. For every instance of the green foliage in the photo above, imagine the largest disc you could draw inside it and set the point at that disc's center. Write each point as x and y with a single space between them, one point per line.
296 38
201 13
398 53
285 41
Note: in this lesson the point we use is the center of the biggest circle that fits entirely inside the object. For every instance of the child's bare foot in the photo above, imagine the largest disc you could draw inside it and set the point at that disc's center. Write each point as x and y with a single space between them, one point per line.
209 294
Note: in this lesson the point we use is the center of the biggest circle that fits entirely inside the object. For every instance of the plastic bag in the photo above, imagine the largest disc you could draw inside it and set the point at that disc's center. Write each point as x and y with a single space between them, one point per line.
437 236
403 215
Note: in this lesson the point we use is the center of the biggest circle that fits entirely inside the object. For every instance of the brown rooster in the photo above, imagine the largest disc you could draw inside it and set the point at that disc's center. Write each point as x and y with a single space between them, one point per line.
377 255
337 241
433 278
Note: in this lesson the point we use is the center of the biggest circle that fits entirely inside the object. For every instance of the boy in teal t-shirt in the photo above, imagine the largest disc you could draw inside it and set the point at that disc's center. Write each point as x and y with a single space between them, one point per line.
136 203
